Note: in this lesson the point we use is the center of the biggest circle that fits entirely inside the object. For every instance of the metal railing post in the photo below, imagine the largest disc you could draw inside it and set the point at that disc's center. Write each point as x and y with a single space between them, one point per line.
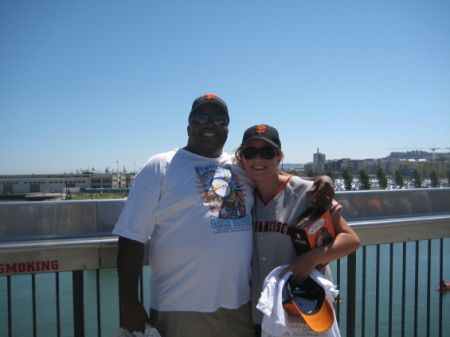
351 297
78 303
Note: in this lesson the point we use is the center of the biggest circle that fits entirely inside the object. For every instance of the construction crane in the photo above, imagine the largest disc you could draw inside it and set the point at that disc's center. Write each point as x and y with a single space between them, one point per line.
432 149
438 148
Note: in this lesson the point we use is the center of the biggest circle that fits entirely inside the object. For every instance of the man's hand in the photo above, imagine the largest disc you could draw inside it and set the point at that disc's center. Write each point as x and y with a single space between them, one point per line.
323 190
134 317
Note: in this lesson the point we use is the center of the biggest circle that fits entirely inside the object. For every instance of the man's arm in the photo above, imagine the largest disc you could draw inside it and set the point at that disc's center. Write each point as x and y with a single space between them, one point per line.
129 265
323 190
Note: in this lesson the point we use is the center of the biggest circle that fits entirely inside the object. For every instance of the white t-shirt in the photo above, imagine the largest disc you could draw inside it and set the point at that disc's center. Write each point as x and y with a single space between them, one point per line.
197 213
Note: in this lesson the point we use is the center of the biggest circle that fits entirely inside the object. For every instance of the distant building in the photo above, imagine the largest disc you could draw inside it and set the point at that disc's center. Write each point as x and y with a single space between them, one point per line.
371 166
58 183
319 163
308 167
424 166
112 180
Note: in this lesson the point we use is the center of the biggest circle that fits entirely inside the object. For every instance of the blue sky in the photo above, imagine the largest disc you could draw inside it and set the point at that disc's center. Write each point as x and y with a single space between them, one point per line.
84 84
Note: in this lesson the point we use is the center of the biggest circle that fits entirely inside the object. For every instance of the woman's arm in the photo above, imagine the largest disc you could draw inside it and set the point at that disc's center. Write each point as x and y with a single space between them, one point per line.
345 242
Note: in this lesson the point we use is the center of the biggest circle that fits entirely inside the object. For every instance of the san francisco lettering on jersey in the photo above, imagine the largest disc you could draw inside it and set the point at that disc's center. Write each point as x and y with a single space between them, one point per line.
271 226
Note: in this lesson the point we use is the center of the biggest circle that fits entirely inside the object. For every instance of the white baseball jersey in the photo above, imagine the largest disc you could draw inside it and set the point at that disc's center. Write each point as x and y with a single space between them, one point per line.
272 244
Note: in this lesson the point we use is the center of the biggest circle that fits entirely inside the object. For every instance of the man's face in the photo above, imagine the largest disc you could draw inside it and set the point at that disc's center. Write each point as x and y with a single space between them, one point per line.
207 139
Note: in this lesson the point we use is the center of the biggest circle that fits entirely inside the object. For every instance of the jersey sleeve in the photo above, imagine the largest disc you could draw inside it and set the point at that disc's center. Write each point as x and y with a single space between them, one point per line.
335 208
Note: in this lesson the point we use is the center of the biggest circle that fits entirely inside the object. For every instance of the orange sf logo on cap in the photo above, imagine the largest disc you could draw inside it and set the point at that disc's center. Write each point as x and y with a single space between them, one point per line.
260 129
210 96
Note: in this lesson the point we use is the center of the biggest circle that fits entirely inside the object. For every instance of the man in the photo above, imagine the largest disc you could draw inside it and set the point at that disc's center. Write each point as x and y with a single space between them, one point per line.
195 206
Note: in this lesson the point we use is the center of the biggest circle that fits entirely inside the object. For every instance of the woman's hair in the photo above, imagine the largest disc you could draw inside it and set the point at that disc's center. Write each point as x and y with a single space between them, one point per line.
238 157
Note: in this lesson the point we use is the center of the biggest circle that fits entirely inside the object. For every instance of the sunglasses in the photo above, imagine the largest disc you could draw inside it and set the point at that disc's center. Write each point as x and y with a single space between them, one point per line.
266 152
217 120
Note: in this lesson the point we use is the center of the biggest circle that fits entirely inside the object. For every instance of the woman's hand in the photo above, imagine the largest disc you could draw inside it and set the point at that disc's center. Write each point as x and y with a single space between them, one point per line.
302 266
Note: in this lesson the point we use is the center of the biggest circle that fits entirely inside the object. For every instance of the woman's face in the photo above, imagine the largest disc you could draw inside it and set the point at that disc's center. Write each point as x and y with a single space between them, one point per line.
259 168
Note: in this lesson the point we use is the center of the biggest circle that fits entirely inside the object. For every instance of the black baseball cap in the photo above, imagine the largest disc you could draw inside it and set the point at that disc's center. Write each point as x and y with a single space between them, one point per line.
209 98
264 132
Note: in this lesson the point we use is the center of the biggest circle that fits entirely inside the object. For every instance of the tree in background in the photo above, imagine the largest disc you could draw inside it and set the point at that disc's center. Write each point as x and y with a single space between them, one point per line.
382 178
310 173
435 182
330 174
417 178
399 179
348 179
364 179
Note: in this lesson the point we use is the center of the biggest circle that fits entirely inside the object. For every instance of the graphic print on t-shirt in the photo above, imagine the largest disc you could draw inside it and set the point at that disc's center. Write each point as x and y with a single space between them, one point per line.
222 191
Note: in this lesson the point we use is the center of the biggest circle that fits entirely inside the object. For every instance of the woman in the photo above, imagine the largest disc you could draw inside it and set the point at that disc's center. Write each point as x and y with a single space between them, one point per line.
281 198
